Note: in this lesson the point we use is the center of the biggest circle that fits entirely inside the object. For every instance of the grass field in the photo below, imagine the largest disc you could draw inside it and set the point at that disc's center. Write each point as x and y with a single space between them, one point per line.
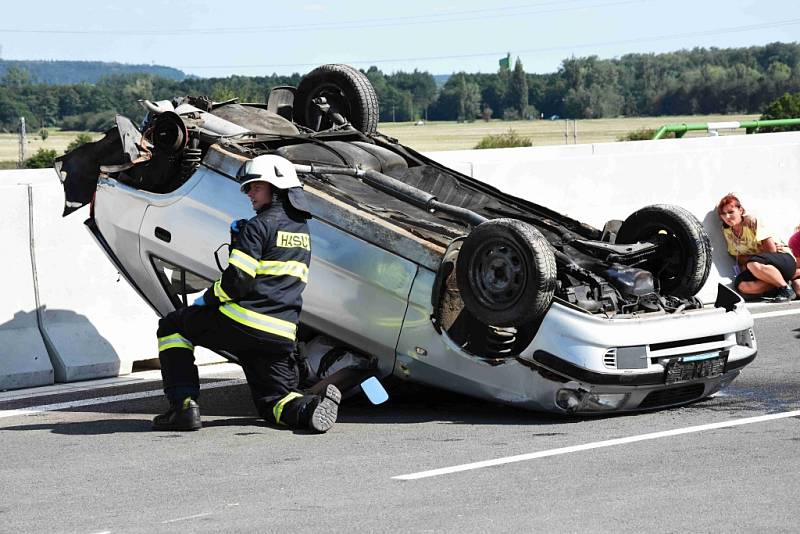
57 140
457 136
443 135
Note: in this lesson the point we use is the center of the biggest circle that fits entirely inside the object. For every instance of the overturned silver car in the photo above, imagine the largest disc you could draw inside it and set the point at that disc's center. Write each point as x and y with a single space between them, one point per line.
423 273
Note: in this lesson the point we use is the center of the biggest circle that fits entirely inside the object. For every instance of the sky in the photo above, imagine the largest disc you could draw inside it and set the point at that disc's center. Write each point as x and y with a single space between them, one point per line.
245 37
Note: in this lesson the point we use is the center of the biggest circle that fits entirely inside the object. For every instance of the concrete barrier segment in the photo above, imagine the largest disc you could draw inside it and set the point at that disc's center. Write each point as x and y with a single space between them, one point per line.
93 322
24 361
94 325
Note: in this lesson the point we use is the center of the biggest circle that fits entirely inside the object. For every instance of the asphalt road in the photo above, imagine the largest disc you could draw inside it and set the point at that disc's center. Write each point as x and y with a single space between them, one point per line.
94 465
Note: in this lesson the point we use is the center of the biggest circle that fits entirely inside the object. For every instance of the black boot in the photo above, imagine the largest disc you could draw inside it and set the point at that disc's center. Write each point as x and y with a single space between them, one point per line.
311 412
182 415
320 414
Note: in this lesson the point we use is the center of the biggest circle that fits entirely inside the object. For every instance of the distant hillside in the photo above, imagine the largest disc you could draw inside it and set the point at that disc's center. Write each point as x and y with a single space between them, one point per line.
70 72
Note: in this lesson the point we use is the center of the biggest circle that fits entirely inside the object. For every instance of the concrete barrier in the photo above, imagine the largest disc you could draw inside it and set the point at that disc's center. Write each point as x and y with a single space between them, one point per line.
595 183
24 361
92 322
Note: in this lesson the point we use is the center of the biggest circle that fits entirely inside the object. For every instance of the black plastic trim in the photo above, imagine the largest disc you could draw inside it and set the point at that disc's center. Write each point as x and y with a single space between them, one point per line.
738 364
685 342
584 375
640 379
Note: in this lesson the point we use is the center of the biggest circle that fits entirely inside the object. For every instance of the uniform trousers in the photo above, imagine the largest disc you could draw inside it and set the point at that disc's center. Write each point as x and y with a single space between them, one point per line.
267 361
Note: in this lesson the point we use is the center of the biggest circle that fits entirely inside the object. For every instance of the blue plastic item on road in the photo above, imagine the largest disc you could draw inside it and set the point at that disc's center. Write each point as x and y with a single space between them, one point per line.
374 390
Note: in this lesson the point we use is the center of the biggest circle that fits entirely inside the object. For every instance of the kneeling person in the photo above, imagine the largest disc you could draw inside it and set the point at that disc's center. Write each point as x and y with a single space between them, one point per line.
252 311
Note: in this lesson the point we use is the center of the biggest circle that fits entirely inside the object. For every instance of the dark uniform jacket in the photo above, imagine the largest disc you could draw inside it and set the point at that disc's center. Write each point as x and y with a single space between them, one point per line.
261 289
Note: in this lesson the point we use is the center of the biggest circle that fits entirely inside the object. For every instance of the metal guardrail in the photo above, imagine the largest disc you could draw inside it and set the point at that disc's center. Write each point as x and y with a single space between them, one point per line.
751 126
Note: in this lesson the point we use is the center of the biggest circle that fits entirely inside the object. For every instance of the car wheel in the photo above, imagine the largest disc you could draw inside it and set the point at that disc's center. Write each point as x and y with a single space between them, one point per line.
684 253
348 92
506 273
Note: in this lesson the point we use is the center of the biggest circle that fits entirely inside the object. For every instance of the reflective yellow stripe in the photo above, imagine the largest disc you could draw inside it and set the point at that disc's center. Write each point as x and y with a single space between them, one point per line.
277 410
174 341
220 293
259 321
246 263
284 268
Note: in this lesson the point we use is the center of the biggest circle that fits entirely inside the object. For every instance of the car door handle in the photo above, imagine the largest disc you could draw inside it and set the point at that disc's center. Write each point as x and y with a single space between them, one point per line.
162 234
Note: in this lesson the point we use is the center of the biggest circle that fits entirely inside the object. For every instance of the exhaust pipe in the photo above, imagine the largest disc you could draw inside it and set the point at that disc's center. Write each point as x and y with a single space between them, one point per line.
401 190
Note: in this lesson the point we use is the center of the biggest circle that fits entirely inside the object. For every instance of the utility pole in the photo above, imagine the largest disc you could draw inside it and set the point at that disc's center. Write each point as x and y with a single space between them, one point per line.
22 143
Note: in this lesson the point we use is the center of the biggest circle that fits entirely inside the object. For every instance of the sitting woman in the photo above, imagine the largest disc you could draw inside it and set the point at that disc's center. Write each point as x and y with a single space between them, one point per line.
764 265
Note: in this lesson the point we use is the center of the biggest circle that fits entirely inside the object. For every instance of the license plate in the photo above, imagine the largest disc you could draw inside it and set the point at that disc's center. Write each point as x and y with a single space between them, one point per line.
692 368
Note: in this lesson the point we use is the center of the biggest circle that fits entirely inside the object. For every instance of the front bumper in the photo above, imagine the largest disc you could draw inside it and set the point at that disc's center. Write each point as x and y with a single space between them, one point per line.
580 396
642 362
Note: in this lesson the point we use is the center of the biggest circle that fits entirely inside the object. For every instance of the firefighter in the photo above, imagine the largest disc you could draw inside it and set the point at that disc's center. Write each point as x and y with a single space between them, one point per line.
252 311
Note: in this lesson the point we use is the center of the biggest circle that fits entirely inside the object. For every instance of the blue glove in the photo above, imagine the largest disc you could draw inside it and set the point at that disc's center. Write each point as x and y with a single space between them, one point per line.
199 301
237 225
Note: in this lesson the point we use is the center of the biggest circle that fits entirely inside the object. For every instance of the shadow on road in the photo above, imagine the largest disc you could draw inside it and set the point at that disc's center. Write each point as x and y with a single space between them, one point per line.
233 407
88 428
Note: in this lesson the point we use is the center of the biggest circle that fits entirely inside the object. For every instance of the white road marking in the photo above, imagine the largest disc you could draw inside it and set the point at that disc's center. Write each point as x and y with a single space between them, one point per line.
195 516
779 313
103 400
596 445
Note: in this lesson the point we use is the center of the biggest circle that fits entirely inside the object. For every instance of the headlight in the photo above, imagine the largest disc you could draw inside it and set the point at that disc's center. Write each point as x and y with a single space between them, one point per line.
569 399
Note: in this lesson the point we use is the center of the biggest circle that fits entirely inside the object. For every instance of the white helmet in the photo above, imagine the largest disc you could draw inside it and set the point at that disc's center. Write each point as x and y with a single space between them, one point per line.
269 168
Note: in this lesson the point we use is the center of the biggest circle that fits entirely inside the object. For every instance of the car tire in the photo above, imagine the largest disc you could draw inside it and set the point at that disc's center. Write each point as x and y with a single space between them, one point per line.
349 93
506 273
684 260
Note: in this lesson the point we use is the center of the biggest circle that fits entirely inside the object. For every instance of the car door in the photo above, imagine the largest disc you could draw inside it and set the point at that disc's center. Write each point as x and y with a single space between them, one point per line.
181 231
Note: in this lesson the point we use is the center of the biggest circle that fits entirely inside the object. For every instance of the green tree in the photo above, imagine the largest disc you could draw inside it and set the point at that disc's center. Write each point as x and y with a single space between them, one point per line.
517 93
80 139
785 107
419 86
16 77
41 159
469 99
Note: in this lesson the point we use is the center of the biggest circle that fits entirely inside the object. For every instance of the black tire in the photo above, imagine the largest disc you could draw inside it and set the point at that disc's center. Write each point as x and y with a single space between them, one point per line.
349 93
506 273
684 258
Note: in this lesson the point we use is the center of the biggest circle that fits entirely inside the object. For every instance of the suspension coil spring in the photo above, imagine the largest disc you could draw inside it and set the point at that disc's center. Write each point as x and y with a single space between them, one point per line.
500 341
191 157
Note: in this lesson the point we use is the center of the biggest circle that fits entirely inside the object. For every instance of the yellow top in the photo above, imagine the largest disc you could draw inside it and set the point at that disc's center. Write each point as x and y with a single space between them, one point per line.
749 242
